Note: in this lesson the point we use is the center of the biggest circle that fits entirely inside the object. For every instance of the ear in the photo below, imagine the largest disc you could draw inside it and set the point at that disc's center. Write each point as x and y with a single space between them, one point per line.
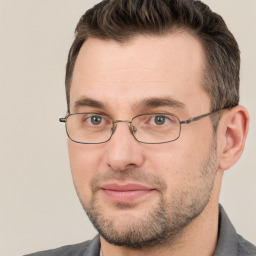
234 126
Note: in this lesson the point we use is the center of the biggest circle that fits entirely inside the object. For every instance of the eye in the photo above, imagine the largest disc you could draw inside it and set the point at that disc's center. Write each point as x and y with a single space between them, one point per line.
159 120
95 120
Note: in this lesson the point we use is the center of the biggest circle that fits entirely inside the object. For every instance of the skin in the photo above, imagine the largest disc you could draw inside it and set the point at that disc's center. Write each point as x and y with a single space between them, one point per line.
120 77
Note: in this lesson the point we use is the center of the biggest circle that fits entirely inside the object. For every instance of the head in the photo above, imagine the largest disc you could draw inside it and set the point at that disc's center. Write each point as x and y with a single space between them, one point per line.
133 57
124 20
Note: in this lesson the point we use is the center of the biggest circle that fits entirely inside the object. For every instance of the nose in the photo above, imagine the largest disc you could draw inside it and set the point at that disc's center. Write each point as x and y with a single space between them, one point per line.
123 150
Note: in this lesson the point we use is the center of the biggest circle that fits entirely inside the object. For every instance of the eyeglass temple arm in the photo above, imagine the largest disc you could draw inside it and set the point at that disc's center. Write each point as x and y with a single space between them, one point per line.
193 119
62 120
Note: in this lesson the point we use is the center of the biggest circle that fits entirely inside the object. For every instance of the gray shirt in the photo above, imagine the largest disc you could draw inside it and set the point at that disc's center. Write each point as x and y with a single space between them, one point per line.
229 243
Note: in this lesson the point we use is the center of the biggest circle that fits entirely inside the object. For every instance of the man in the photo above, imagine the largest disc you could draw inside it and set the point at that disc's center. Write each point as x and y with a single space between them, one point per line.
153 121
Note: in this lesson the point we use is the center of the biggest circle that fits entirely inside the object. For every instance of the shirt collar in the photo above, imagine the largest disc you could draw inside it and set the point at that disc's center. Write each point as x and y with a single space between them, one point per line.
227 239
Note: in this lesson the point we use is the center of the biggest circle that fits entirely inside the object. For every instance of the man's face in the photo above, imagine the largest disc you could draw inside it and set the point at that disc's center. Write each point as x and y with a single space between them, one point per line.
137 194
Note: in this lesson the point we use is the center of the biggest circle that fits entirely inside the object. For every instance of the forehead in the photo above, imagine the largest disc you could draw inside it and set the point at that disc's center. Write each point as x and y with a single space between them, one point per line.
121 73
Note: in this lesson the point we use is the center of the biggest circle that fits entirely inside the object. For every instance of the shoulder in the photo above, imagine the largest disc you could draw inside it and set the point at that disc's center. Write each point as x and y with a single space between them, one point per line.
87 248
230 243
244 247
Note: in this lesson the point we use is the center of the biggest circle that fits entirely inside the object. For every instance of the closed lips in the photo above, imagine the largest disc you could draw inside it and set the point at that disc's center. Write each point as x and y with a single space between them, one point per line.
125 193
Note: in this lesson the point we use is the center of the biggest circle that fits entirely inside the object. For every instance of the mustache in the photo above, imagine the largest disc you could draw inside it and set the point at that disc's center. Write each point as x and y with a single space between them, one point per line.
128 176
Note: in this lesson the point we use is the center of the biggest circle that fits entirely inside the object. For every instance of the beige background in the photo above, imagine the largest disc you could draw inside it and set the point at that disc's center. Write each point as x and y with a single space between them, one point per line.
39 207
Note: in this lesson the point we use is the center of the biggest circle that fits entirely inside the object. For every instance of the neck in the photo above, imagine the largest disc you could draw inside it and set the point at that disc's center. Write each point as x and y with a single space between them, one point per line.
198 238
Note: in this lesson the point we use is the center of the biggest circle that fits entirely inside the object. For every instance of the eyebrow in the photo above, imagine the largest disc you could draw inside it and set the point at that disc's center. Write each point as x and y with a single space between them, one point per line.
145 104
88 102
156 102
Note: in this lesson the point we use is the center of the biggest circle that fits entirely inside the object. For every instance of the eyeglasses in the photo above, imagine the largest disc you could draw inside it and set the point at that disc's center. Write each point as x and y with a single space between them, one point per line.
94 128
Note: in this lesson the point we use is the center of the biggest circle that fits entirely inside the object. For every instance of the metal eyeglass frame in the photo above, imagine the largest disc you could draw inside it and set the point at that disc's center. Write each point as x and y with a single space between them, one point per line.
133 128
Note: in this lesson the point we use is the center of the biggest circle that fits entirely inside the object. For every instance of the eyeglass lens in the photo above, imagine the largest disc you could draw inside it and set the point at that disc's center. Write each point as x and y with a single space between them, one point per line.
97 128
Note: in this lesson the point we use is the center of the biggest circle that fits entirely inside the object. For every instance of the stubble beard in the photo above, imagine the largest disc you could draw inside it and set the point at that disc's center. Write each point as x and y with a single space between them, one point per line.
166 220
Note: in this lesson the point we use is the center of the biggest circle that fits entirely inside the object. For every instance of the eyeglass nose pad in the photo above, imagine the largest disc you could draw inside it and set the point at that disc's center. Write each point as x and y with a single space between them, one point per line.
113 129
133 129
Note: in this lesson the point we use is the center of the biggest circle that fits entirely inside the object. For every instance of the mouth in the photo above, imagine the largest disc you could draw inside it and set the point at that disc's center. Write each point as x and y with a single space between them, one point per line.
125 193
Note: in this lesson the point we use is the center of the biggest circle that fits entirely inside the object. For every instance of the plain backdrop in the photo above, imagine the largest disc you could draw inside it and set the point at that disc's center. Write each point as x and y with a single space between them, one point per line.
39 208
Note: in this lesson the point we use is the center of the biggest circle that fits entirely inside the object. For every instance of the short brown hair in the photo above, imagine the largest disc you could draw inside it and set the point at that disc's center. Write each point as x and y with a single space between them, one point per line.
122 20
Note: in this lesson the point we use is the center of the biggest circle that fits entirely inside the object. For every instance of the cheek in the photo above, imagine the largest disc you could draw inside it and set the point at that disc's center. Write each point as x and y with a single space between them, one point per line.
165 160
84 163
179 161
